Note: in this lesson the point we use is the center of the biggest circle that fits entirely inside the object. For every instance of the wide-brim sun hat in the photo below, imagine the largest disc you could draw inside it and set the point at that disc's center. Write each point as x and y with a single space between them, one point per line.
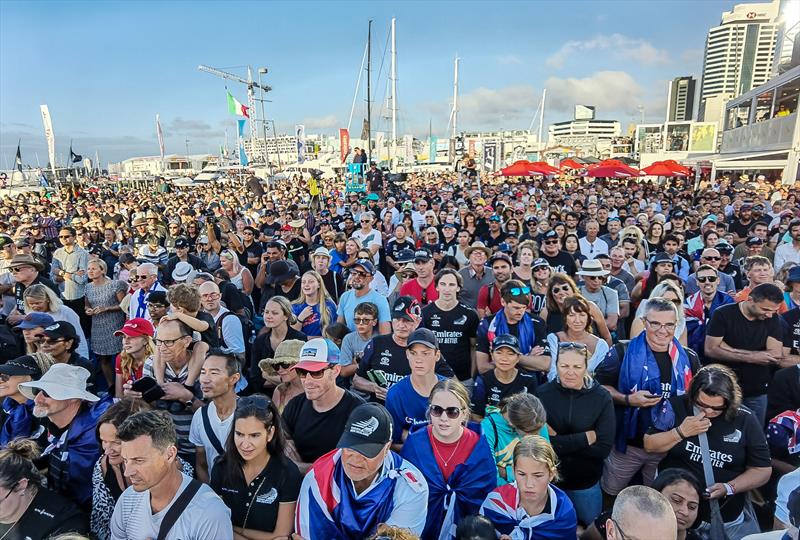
61 382
288 352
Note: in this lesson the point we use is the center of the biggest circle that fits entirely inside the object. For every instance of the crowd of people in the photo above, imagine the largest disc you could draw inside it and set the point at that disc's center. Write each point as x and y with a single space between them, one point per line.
439 356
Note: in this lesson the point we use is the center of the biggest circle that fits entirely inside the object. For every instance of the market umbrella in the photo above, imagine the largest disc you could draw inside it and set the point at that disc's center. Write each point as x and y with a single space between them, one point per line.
570 163
660 168
608 171
544 168
677 167
518 168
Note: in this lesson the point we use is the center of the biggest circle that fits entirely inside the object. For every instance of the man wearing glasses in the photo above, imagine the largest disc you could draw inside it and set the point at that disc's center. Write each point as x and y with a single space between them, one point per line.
147 275
641 376
69 272
315 419
369 237
72 412
711 257
360 278
25 270
560 261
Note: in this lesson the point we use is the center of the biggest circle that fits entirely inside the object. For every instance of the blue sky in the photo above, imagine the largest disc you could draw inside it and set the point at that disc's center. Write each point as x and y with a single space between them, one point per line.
106 68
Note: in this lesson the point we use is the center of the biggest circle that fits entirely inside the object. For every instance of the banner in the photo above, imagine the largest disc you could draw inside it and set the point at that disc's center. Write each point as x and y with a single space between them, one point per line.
432 150
380 140
703 137
489 156
344 143
243 161
471 147
408 144
51 138
160 135
300 134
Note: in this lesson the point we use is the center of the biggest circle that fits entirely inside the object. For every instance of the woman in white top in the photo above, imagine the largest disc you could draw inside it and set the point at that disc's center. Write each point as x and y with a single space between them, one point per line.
240 275
41 298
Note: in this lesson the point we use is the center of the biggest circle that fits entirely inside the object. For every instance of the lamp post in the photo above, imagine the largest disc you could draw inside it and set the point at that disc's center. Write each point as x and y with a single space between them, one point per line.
264 71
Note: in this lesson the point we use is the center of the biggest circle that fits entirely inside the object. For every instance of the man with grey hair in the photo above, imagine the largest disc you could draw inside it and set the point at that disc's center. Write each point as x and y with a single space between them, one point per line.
640 376
590 245
147 274
641 512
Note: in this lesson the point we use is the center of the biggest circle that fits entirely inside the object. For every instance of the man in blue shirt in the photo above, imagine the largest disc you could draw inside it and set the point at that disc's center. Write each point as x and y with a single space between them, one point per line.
360 278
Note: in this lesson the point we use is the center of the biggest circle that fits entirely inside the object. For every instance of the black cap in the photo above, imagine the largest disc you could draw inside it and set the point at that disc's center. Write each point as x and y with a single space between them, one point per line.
423 336
158 297
508 341
500 256
423 255
181 243
24 365
754 241
405 256
724 247
550 234
679 214
662 257
61 330
367 431
406 307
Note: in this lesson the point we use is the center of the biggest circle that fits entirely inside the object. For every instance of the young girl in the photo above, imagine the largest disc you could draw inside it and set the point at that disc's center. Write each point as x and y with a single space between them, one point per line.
312 317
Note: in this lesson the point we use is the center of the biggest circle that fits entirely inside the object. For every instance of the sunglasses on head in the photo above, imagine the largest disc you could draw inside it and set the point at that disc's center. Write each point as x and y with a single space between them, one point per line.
260 402
451 412
567 345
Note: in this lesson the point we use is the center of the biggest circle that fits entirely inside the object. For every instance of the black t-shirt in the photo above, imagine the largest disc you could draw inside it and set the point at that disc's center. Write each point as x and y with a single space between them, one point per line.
562 263
394 247
314 433
384 355
270 229
253 250
734 445
262 348
490 392
453 329
492 241
539 330
791 330
740 229
735 271
231 296
48 515
784 392
730 324
278 483
209 336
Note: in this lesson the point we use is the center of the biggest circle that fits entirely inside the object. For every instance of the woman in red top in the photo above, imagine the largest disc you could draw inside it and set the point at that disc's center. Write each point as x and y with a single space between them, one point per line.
455 460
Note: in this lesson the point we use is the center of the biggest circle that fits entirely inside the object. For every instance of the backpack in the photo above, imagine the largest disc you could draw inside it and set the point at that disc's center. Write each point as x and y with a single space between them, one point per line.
248 333
10 346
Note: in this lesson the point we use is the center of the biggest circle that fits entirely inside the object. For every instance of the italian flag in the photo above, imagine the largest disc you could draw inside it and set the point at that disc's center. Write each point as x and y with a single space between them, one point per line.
236 108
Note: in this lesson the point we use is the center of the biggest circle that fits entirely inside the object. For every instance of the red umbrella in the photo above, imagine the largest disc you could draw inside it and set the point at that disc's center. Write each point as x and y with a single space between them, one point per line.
660 168
544 168
608 171
518 168
570 163
677 167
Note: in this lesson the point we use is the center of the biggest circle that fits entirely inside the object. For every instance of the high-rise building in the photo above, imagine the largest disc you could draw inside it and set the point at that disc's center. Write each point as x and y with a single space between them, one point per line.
787 49
739 52
680 101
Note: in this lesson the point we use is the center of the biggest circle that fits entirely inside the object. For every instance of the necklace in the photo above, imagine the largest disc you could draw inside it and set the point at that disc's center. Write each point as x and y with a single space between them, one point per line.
18 519
445 461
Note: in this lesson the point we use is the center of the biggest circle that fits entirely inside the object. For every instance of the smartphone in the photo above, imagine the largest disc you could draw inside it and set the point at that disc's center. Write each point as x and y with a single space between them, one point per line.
377 377
150 389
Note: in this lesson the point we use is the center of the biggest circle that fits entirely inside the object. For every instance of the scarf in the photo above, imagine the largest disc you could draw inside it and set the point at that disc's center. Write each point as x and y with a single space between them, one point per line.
19 421
696 318
141 308
510 518
460 495
639 371
499 326
328 509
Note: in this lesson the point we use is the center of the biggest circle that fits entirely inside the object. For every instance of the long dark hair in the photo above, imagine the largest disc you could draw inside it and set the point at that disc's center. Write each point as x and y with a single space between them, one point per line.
263 409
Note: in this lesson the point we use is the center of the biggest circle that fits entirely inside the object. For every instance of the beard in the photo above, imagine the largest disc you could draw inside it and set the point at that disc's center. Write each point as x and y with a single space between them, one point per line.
40 412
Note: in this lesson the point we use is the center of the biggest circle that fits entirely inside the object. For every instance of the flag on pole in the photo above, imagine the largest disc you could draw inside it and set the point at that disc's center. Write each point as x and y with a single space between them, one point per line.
243 161
236 108
18 160
344 143
160 135
50 136
73 157
300 132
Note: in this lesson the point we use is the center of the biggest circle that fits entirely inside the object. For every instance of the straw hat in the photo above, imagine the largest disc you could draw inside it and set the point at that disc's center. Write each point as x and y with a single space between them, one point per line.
478 246
288 352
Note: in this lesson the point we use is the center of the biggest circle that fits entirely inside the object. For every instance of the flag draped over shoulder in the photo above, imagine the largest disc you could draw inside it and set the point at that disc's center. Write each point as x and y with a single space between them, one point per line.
509 517
328 509
460 495
236 108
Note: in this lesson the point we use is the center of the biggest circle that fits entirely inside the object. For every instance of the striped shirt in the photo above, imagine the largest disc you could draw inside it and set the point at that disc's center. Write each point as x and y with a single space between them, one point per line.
180 413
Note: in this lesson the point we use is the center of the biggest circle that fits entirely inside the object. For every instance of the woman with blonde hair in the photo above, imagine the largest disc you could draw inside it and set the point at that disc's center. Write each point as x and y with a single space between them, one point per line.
41 298
314 308
455 460
103 296
279 319
240 275
137 347
532 507
634 232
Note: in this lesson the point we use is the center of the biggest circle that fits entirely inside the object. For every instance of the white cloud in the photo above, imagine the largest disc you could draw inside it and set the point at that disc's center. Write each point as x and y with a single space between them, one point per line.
609 91
497 107
321 122
509 60
619 46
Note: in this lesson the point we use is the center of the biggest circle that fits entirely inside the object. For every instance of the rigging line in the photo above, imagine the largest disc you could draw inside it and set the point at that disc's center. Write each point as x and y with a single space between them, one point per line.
383 61
358 85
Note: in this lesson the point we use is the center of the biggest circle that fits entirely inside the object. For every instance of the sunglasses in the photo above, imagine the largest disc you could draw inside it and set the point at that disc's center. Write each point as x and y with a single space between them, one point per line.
563 288
37 391
302 373
518 291
551 242
701 405
281 365
363 320
707 279
65 236
358 273
451 412
710 258
50 341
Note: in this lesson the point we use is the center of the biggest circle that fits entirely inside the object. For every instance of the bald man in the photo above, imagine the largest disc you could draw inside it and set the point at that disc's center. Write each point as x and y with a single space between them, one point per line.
641 512
711 257
229 328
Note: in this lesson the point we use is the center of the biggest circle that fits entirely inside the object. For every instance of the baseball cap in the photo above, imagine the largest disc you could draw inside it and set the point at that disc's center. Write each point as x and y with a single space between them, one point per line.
508 341
368 267
5 240
539 262
708 219
23 365
679 214
724 247
36 320
315 355
406 307
423 336
405 256
448 226
550 235
662 257
500 256
754 241
181 243
202 240
136 327
423 255
367 431
61 330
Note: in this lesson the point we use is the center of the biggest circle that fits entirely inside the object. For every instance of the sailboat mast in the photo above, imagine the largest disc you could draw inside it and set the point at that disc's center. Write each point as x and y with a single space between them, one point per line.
455 100
541 123
393 146
369 88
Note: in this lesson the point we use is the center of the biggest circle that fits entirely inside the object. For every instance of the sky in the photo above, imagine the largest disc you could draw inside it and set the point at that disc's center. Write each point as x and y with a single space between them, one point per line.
105 69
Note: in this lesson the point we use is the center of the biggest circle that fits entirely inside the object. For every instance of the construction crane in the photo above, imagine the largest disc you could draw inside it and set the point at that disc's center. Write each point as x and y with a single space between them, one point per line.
251 97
